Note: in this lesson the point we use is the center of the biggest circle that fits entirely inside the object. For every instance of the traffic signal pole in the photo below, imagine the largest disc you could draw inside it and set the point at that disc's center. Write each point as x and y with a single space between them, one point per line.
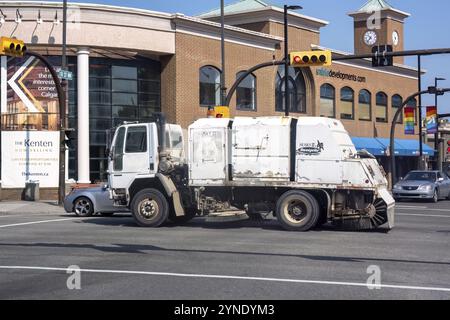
62 145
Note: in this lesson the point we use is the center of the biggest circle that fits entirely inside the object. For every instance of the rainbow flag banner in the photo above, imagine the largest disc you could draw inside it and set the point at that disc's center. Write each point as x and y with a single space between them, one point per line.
409 120
432 125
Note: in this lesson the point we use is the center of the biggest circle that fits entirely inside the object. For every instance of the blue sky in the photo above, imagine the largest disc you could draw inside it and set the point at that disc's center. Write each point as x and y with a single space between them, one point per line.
428 27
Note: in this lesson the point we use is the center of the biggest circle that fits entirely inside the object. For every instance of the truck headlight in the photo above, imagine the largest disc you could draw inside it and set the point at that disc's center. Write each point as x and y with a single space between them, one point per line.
425 188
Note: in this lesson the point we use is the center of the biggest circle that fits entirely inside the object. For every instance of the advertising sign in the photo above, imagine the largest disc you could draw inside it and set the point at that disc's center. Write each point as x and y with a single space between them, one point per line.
30 156
432 124
409 120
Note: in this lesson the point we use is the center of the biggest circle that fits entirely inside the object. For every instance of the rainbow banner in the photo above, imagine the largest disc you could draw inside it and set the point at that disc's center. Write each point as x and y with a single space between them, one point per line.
432 125
409 120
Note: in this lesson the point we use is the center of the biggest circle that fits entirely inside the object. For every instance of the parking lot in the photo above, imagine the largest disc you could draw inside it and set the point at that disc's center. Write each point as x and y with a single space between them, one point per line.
204 260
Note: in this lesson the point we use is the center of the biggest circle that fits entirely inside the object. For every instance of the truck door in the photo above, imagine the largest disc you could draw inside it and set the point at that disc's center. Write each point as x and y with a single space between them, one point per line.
130 158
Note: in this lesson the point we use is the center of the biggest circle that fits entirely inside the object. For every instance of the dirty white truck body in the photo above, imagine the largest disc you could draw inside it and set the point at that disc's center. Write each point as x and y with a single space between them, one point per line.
306 171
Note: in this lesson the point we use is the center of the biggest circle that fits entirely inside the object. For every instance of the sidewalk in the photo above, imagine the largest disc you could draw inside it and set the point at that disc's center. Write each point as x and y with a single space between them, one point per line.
24 207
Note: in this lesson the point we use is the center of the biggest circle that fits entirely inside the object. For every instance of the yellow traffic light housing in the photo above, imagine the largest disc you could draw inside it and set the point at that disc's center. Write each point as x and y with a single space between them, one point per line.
12 47
319 58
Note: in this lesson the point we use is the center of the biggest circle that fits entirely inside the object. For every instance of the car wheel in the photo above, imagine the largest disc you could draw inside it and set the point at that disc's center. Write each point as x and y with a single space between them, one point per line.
83 207
298 211
435 197
150 208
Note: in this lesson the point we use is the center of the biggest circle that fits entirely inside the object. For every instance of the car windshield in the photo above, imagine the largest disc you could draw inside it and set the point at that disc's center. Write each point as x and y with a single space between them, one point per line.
421 176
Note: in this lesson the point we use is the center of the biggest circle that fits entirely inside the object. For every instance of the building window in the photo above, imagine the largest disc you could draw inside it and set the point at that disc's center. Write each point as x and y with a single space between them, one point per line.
365 105
397 102
297 91
381 107
327 101
120 90
347 103
209 86
246 93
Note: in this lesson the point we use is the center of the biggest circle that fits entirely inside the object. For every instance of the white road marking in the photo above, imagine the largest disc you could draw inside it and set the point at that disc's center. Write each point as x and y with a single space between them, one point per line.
422 215
424 209
210 276
37 222
410 207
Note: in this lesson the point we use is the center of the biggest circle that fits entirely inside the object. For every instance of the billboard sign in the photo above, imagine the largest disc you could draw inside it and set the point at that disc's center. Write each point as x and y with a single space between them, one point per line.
30 156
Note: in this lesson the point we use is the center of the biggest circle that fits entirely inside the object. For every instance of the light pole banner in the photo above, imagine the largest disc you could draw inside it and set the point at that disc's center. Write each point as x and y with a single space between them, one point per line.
432 123
30 156
409 120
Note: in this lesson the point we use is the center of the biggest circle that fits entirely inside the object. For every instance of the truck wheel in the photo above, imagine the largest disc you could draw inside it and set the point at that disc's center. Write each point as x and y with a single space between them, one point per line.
298 211
150 208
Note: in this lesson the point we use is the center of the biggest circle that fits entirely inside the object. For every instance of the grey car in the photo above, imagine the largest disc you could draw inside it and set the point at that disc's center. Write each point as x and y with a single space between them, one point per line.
430 185
86 202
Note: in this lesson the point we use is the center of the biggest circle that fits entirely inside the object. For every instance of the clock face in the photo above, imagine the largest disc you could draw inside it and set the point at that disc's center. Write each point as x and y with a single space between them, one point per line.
395 38
370 38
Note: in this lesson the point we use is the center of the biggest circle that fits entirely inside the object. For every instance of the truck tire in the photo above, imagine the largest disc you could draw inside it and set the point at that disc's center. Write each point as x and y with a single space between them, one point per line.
150 208
298 211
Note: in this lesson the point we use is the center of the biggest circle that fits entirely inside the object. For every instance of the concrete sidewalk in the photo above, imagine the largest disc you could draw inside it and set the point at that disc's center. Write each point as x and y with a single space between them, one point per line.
24 207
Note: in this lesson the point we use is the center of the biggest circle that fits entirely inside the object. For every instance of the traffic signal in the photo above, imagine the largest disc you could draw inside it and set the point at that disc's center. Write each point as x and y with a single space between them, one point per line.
379 59
70 138
316 58
12 47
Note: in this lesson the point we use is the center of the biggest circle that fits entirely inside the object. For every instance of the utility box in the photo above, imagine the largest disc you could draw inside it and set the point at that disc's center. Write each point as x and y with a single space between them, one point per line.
31 192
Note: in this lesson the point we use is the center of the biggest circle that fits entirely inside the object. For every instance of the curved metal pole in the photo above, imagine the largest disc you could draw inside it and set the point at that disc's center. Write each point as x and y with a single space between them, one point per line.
62 117
394 123
244 75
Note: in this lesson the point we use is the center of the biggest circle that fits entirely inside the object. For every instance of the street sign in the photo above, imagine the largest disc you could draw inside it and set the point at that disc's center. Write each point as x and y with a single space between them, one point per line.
65 75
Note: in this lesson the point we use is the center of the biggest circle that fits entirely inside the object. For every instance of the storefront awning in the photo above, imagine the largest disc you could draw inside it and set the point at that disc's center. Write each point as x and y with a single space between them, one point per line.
380 146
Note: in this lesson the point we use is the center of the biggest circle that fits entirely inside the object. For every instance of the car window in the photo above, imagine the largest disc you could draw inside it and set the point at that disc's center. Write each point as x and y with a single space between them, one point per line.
421 176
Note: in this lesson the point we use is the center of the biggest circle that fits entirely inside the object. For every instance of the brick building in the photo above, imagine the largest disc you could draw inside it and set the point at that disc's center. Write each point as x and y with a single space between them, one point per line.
129 63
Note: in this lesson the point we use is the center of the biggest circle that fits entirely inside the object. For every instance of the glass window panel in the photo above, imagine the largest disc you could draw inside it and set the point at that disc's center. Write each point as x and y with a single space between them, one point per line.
326 107
119 121
365 97
209 86
136 140
397 102
99 70
124 85
124 72
297 90
125 112
98 152
149 100
151 72
381 99
327 91
99 84
99 124
125 99
100 111
149 86
246 93
99 97
347 110
97 138
146 112
381 113
364 111
347 94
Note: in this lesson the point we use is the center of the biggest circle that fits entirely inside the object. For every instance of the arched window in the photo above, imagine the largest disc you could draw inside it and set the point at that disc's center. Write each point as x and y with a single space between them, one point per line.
347 103
381 107
297 91
397 102
209 86
246 93
365 105
327 101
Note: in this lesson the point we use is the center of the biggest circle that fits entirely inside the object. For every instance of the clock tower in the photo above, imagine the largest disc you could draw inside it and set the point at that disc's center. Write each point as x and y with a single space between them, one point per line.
378 23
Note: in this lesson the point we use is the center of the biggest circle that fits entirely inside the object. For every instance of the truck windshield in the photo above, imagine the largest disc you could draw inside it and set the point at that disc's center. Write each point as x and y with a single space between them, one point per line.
421 176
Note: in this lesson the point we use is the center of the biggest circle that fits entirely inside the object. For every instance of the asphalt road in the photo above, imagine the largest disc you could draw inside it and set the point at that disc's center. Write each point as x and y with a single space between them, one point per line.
243 260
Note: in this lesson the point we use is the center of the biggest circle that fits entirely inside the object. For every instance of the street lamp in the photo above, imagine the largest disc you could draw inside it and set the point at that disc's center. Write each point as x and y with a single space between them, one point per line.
437 142
286 57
